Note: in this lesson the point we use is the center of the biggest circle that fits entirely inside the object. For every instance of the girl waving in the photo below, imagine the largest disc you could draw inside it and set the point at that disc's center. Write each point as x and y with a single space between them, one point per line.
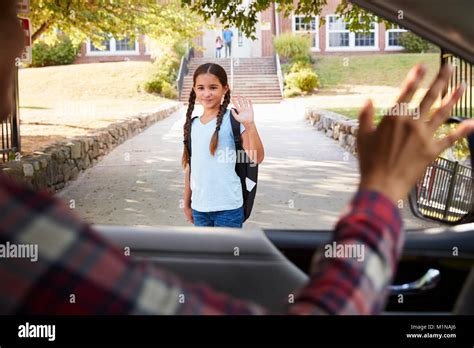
213 191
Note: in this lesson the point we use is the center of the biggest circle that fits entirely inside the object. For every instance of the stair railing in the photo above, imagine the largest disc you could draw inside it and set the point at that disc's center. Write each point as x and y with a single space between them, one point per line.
279 73
183 69
231 72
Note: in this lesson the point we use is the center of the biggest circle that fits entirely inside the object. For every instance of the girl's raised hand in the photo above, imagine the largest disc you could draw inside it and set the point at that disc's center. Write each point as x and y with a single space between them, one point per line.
245 110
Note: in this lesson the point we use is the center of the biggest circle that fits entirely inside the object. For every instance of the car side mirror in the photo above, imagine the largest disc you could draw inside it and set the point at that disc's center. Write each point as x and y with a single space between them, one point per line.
445 191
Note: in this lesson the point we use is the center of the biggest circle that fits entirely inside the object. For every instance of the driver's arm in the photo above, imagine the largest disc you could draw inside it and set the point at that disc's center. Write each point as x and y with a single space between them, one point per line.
74 260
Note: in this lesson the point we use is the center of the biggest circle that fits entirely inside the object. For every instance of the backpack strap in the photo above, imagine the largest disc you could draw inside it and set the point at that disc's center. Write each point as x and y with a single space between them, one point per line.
236 130
188 143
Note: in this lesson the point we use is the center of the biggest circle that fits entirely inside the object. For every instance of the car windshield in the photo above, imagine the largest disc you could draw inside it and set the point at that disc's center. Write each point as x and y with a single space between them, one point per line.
101 119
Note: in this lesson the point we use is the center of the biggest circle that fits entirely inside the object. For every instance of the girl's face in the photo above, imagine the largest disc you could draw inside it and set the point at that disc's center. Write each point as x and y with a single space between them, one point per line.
209 91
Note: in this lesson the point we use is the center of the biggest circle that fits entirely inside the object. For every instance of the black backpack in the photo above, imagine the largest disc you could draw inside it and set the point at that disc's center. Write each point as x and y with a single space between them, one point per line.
244 167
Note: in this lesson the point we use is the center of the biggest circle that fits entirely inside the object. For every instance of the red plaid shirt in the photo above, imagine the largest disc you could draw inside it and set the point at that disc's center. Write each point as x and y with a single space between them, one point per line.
73 260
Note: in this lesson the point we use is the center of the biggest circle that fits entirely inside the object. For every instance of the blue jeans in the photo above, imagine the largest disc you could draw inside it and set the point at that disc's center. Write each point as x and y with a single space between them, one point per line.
223 218
228 48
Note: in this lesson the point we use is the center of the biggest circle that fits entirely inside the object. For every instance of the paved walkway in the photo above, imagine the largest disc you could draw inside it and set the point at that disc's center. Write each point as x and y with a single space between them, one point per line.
305 181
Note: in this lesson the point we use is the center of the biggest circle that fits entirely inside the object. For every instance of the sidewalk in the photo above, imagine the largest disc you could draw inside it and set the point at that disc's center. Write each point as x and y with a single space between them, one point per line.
305 181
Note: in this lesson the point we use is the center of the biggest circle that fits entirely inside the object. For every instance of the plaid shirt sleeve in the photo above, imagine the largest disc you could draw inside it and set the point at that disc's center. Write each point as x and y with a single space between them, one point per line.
356 283
78 272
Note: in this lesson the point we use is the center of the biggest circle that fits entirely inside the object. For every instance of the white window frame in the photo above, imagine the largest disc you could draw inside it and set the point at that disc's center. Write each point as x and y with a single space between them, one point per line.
113 51
392 47
352 46
316 31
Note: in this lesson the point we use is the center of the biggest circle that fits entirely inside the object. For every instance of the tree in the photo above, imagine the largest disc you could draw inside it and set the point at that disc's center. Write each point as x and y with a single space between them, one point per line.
80 19
243 13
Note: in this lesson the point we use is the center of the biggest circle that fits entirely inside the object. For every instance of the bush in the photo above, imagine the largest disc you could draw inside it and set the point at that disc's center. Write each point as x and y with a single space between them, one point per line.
299 65
165 72
154 86
169 91
414 44
292 92
161 87
302 58
180 48
167 67
41 55
305 80
288 45
62 53
296 64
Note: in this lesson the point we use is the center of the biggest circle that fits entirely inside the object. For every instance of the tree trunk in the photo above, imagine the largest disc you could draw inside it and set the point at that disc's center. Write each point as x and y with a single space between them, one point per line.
41 30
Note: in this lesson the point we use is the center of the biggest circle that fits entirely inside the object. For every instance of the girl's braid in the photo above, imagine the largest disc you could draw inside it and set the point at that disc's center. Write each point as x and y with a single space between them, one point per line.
220 117
187 127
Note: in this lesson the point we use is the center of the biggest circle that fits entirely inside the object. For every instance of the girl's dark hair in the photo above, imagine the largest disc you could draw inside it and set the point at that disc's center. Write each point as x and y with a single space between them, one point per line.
219 72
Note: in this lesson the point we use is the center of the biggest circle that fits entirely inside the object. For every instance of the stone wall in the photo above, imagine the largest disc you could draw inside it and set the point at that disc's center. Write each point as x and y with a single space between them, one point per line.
340 128
52 167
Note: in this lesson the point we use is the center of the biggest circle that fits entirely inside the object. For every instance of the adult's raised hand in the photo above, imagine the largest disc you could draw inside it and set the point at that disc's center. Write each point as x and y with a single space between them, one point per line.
394 155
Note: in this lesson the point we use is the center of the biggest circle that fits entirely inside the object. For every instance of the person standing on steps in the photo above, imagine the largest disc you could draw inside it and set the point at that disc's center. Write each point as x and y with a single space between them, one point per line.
228 34
219 45
213 190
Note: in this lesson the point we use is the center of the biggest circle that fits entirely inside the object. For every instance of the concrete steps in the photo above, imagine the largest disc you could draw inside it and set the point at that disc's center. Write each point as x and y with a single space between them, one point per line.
255 78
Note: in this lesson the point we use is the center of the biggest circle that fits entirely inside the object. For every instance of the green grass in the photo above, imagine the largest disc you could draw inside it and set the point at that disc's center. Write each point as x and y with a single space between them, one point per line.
45 87
60 102
34 107
375 70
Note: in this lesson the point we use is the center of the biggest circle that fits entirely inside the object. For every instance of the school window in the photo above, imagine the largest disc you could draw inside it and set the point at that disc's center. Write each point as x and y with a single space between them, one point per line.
338 32
125 45
105 44
113 46
365 39
392 37
309 27
339 38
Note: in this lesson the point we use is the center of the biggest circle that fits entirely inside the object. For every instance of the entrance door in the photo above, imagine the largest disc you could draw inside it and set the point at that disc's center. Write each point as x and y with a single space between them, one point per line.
241 45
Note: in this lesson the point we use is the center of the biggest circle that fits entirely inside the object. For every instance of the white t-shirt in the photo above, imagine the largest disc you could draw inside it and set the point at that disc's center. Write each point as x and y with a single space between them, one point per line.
214 183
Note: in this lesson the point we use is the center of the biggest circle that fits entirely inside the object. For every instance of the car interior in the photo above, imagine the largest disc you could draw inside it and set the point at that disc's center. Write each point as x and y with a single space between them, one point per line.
268 265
